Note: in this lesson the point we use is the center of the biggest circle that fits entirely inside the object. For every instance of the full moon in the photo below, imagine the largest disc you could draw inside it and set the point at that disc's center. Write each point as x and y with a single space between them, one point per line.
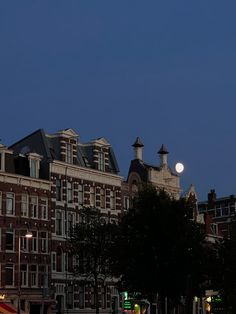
179 167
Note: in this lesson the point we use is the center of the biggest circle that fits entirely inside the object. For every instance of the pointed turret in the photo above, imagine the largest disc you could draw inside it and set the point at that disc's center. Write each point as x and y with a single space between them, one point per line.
163 152
138 149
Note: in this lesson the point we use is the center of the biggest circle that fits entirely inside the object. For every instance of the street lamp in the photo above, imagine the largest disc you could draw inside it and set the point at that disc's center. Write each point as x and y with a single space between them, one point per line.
28 235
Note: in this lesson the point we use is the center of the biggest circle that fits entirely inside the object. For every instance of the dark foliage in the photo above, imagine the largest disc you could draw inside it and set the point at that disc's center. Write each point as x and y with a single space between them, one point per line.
91 241
227 275
160 248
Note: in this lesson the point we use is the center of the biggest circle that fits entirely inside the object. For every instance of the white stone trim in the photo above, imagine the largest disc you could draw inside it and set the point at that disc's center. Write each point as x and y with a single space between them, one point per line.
25 181
85 173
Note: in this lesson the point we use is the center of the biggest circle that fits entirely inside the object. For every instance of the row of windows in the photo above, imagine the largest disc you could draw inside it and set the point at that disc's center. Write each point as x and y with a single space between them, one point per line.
69 157
81 195
63 225
30 275
38 243
223 211
31 206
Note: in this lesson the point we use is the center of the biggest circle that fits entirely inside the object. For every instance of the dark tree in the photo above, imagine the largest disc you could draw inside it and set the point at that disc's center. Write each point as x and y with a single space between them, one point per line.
91 241
160 248
228 270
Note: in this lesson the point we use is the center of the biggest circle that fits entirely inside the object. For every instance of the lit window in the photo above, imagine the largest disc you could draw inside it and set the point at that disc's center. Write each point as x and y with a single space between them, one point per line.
10 203
101 161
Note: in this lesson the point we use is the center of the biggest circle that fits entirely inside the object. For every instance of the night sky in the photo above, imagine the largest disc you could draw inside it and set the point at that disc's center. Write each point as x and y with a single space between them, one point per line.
161 70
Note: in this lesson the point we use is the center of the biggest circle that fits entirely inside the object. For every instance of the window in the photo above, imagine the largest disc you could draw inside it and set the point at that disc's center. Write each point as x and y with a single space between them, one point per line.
69 153
44 242
10 203
112 200
44 208
69 222
34 241
80 194
102 198
43 277
214 228
24 275
69 192
70 297
92 196
24 243
126 202
58 190
101 161
53 261
2 161
33 168
34 206
225 211
81 296
9 279
24 205
9 240
0 200
59 260
59 223
34 275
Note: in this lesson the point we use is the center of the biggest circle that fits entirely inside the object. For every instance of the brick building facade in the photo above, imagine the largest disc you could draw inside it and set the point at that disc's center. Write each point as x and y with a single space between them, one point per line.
79 175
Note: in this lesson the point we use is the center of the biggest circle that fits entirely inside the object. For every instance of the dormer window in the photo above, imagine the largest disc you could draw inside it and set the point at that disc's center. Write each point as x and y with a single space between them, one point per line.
101 161
34 164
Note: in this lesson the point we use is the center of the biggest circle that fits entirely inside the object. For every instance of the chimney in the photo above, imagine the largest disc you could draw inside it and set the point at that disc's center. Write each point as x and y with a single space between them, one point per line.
138 149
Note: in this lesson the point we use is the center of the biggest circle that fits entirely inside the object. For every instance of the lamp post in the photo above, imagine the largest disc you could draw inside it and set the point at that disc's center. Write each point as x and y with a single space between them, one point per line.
28 235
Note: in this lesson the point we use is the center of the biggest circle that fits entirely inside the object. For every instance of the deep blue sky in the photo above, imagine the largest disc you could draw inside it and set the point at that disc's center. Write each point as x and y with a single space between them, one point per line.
161 70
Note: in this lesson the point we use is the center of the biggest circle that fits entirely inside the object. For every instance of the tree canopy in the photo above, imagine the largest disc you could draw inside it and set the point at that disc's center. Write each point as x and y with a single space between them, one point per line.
160 248
91 241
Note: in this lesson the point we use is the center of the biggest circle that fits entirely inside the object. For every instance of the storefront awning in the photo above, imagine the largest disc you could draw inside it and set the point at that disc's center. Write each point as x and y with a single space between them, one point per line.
7 308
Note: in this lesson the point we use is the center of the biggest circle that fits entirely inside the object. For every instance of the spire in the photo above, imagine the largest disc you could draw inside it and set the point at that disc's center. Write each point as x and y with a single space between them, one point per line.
138 143
163 150
138 149
163 155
